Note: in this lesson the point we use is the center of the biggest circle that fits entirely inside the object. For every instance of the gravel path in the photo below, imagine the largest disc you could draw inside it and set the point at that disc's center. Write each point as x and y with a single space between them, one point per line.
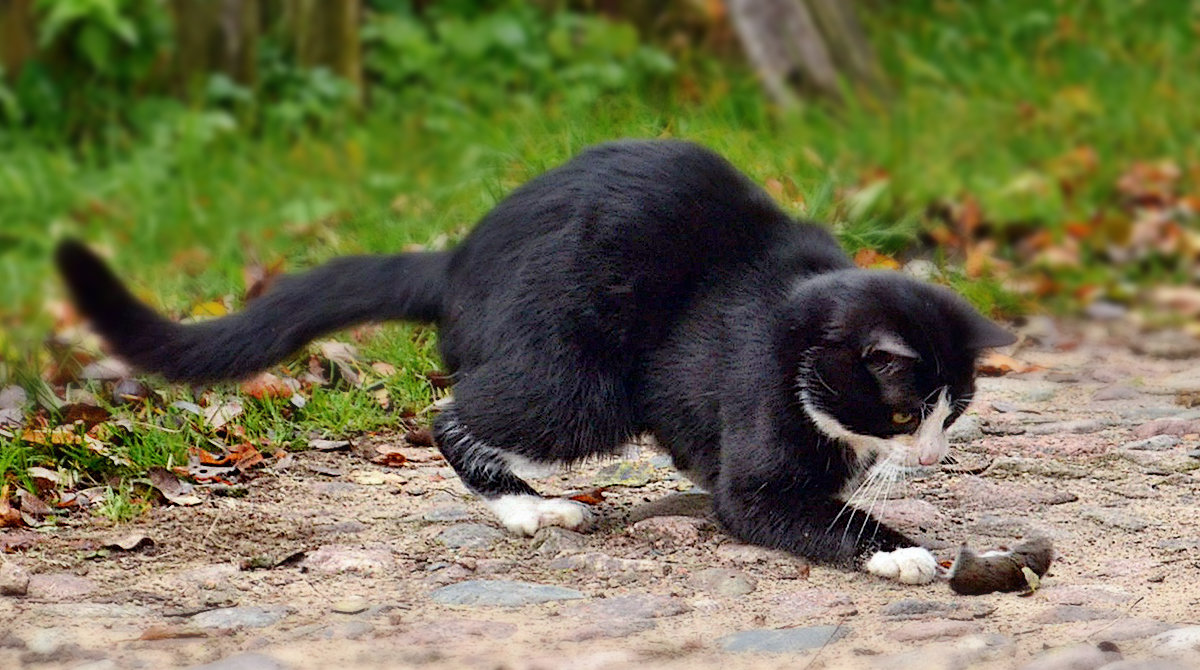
335 562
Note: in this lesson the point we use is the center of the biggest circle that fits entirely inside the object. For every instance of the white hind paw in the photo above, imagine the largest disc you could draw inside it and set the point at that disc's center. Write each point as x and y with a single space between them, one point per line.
525 514
910 565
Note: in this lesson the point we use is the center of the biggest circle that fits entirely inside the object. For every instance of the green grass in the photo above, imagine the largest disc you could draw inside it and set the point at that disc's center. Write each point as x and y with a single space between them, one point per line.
988 97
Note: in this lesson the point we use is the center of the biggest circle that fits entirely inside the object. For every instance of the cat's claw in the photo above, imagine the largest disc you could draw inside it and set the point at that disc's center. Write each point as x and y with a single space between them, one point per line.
910 565
525 514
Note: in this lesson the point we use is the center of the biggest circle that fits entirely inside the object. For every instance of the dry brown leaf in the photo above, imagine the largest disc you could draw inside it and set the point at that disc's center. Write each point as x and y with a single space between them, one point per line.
172 489
209 310
258 278
869 258
90 415
389 456
171 633
383 369
31 504
267 385
593 497
216 416
995 364
129 542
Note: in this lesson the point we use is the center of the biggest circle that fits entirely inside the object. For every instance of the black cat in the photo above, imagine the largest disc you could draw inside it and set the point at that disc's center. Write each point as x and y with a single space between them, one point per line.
643 287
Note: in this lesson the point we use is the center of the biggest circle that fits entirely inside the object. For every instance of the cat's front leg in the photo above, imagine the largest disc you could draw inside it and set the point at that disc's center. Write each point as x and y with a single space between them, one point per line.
823 530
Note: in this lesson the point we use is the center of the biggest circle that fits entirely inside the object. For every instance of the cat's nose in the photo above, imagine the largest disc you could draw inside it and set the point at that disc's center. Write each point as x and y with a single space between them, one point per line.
930 459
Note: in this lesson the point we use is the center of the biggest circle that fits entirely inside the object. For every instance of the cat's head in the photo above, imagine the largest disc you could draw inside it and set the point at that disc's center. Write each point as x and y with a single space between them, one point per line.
893 365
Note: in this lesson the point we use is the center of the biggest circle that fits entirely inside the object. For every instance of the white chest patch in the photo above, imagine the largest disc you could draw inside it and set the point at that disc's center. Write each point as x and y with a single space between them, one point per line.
927 446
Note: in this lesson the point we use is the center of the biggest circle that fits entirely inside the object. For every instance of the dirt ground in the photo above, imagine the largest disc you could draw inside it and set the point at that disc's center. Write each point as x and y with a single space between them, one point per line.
336 562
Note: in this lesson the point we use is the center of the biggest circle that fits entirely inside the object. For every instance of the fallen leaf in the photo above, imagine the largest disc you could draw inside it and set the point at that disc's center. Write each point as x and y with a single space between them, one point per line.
31 504
593 497
9 515
172 489
258 278
129 542
209 310
439 380
383 369
995 364
389 456
382 398
869 258
247 457
267 385
329 445
217 416
90 415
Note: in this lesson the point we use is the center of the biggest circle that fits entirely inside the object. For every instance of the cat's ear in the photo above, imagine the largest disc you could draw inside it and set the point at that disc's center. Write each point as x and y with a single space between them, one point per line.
886 344
983 333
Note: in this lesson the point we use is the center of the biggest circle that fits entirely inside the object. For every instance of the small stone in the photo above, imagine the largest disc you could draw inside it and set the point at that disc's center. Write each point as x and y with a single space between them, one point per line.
636 606
724 582
1156 443
1071 613
447 513
1043 467
553 540
1084 595
626 473
332 558
244 661
748 553
663 531
1075 426
1115 519
1044 394
470 536
59 586
1167 427
1104 310
240 617
932 630
1130 629
1180 640
351 605
979 493
782 640
911 608
14 579
968 428
348 527
489 593
611 629
1115 392
813 602
1077 657
596 562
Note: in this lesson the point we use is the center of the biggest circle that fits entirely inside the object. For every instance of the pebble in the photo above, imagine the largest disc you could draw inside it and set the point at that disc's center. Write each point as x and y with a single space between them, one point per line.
341 630
604 564
1115 519
965 652
447 513
240 617
915 631
782 640
979 493
665 531
813 602
351 605
1072 613
1042 467
1129 629
626 473
634 606
244 661
911 608
1167 427
333 559
1075 426
611 629
1181 382
553 540
56 586
1084 595
746 554
724 582
1077 657
348 527
1156 443
1177 641
14 579
1115 392
968 428
497 593
470 536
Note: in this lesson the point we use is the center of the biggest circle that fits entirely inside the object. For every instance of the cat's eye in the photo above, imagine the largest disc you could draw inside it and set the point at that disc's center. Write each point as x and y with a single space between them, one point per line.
901 418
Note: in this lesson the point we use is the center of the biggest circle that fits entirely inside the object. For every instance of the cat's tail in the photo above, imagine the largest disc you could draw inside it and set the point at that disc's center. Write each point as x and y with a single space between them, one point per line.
296 309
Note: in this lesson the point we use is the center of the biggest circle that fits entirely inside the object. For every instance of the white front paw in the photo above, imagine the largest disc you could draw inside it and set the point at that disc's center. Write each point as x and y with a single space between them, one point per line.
910 565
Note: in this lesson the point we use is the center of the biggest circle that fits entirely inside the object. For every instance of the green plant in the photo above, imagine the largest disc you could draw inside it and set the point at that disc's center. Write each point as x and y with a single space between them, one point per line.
121 504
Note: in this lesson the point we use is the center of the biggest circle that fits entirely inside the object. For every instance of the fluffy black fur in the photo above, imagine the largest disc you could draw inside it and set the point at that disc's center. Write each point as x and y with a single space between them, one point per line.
643 287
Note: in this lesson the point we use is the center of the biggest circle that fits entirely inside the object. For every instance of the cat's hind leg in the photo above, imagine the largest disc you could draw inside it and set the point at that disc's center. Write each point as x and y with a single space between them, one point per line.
488 472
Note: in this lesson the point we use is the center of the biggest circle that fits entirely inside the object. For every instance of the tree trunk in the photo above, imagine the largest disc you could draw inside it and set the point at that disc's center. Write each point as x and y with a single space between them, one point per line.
18 35
326 33
214 37
804 46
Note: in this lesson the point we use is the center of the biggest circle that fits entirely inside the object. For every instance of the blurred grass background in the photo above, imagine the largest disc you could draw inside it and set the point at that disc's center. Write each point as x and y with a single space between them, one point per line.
1018 144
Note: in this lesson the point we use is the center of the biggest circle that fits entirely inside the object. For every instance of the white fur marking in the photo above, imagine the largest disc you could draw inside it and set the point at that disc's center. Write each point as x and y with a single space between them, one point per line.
927 447
910 565
525 514
529 469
